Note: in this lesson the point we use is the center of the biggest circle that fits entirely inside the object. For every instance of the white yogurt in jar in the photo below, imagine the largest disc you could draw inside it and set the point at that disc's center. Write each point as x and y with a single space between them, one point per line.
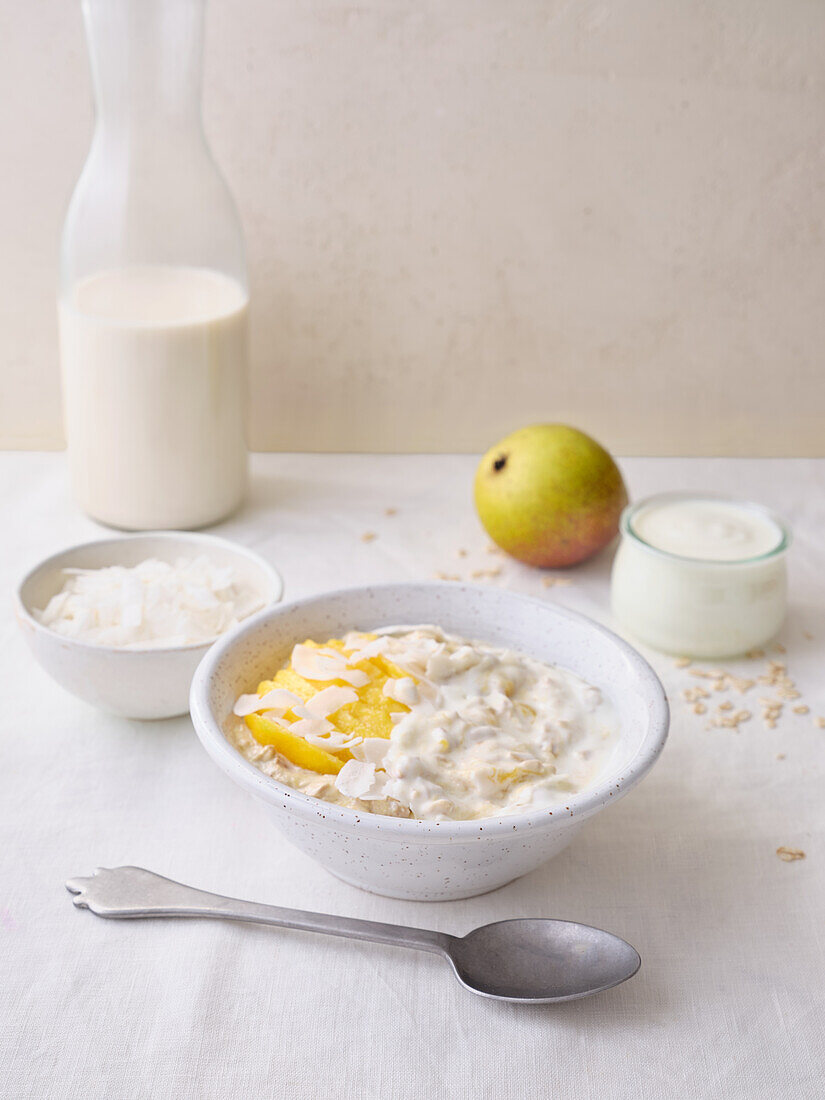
700 576
710 530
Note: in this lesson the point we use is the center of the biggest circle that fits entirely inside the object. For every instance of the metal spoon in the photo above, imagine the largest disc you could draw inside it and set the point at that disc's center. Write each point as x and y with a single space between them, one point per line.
533 961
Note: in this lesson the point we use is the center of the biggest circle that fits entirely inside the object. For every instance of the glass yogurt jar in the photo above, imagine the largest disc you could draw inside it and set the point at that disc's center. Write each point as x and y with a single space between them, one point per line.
700 575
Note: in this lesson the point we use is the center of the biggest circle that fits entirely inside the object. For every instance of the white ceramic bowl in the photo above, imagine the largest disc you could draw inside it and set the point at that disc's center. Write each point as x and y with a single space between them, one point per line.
423 860
134 683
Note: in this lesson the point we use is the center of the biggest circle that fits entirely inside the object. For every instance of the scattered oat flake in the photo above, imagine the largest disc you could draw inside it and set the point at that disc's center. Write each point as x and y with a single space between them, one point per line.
446 576
368 536
390 511
462 553
780 756
780 648
741 684
694 694
699 708
820 723
775 677
722 720
480 574
755 654
790 854
807 634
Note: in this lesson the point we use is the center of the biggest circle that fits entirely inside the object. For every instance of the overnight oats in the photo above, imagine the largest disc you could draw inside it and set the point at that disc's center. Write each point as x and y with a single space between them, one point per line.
414 722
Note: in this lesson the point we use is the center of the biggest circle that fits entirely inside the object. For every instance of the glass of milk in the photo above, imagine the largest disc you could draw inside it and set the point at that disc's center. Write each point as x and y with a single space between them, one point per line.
153 289
700 575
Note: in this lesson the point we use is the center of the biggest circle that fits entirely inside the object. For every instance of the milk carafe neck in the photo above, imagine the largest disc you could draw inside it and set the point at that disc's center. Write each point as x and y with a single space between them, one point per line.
146 66
150 191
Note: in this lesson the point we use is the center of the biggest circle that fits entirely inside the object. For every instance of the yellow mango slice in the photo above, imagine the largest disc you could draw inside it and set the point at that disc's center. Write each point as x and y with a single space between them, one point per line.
290 680
389 668
295 749
368 716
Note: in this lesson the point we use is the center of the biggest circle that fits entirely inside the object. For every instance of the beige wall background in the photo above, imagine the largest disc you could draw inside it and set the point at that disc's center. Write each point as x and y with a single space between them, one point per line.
465 215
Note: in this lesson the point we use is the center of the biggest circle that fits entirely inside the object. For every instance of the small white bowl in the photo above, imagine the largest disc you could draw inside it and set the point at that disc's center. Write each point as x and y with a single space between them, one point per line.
425 860
134 683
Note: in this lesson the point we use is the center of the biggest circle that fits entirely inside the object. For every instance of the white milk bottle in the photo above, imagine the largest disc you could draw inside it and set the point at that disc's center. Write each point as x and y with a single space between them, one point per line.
153 293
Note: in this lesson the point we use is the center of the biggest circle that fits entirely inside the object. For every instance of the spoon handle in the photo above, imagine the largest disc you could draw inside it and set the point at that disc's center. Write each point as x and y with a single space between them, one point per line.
134 892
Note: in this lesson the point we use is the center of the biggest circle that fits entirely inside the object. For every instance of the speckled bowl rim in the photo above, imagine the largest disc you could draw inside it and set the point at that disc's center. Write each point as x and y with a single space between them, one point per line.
194 538
609 789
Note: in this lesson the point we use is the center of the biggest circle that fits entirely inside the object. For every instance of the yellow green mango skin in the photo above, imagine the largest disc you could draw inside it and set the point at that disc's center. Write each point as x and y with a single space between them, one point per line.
549 495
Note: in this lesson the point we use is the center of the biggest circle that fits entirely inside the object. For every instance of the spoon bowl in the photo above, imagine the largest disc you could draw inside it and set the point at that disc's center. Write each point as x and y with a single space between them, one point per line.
540 960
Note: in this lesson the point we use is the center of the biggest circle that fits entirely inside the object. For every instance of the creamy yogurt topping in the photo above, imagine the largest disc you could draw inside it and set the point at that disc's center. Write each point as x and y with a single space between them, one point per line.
707 530
488 731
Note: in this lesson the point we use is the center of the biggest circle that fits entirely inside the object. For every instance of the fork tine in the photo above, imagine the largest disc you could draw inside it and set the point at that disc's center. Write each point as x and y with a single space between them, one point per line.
76 885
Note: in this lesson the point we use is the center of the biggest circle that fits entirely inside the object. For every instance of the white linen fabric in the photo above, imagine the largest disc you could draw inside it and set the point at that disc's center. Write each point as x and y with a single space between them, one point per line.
731 996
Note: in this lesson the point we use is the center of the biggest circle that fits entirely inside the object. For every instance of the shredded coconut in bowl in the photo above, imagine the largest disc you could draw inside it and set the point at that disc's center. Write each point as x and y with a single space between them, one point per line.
151 605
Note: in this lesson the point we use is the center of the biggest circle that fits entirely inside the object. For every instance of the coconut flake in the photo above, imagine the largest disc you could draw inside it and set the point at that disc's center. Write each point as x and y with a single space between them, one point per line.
372 750
355 677
247 704
326 702
281 699
401 690
272 715
314 663
132 615
278 699
325 664
359 780
368 650
316 727
333 742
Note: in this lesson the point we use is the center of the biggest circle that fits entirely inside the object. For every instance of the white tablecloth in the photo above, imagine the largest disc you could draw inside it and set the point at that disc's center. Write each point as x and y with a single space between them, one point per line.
730 1000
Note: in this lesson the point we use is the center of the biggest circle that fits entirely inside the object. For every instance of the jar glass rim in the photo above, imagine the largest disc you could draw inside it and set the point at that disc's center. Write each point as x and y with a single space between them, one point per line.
628 531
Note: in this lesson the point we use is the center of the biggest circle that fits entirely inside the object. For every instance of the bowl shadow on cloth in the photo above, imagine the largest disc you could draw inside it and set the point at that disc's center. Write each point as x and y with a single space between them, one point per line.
654 869
598 880
668 872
